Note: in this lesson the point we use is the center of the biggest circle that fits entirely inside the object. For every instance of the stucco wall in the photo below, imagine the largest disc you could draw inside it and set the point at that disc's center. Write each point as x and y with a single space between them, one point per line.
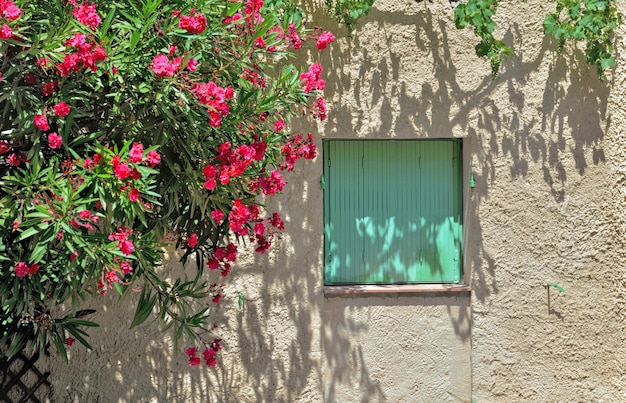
546 145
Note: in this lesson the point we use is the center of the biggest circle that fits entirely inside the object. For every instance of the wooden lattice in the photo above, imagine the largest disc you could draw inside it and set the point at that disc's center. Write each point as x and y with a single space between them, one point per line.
21 381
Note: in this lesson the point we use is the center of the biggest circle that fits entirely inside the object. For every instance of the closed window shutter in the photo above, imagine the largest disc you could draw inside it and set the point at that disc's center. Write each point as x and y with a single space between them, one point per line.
392 211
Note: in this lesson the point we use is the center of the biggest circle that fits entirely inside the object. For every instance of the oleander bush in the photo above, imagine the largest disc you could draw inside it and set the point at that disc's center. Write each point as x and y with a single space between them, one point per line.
130 125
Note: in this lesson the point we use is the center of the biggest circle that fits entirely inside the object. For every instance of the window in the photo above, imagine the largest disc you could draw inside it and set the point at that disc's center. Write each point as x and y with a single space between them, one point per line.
392 211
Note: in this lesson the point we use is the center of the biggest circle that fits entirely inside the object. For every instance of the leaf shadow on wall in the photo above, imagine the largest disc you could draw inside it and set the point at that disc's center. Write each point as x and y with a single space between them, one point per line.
501 121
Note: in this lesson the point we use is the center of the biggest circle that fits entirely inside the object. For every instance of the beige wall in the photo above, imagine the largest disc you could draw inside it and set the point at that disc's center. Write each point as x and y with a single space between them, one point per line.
546 144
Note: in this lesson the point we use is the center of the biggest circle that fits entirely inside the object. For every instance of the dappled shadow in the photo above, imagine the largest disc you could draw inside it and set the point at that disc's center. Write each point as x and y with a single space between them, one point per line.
287 342
498 120
125 364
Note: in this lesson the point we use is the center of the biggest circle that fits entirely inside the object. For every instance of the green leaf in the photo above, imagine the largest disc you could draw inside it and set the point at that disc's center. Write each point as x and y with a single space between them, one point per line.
144 306
27 233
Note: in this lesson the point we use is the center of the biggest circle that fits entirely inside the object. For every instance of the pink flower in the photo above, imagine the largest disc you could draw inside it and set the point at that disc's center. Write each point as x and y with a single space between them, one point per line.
20 269
192 240
126 267
126 246
217 215
133 195
76 40
192 64
209 358
259 42
213 264
112 277
210 184
48 88
6 32
16 159
11 11
194 24
41 122
41 62
62 109
279 125
217 298
136 152
135 174
4 147
191 352
69 341
87 15
277 222
33 269
208 353
320 109
312 79
194 361
324 39
209 171
231 252
122 171
30 79
162 67
54 140
259 229
153 158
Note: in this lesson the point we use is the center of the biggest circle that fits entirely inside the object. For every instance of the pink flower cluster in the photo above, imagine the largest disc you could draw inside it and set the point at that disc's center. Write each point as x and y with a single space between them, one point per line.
254 77
216 98
239 216
269 185
11 12
21 269
320 109
192 23
123 170
61 110
223 255
312 79
4 147
232 163
208 355
242 216
124 244
84 219
192 240
253 12
82 54
293 37
113 276
86 14
136 155
163 67
324 39
296 148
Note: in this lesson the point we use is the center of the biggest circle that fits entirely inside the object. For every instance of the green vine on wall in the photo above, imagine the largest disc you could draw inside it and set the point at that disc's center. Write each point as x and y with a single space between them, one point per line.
349 11
479 13
589 21
592 21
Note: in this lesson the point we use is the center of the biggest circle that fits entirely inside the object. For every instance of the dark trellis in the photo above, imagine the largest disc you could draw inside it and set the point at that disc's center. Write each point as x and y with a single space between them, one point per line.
21 381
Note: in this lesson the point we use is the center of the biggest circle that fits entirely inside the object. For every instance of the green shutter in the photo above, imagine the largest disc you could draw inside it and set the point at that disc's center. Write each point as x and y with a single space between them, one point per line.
392 211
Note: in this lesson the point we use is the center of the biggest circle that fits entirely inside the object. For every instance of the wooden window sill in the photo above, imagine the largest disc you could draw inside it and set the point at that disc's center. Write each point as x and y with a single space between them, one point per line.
334 290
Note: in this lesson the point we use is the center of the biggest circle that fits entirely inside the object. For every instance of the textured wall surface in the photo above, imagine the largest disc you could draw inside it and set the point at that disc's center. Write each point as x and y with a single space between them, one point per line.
546 145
